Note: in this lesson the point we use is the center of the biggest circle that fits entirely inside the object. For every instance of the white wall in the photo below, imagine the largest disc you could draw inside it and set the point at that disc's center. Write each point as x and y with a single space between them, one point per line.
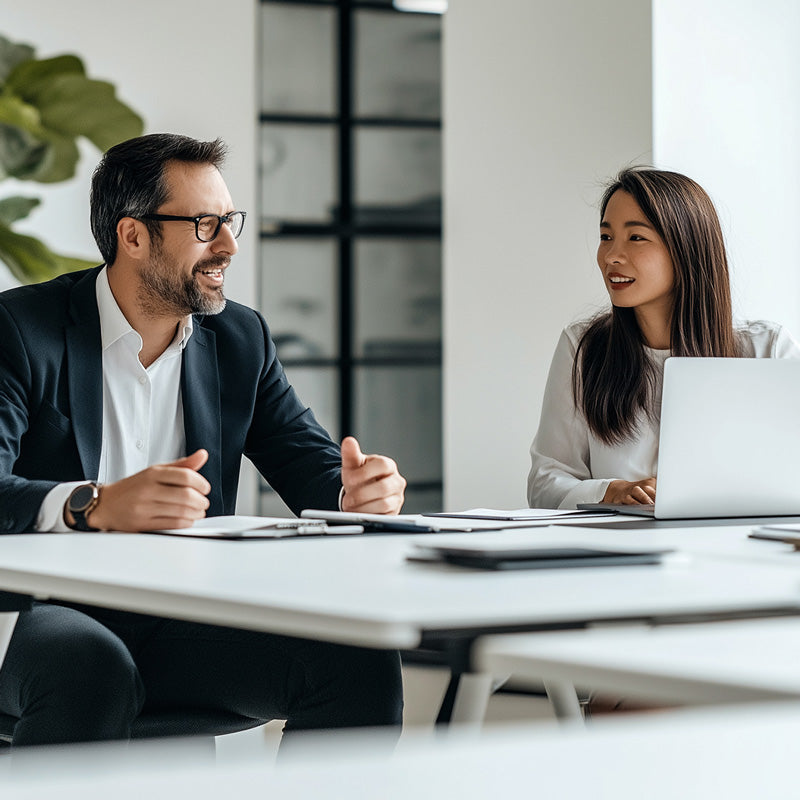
158 54
543 101
726 77
186 66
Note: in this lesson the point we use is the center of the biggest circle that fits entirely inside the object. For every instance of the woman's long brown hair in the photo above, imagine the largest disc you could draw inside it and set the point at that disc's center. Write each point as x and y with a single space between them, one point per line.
613 379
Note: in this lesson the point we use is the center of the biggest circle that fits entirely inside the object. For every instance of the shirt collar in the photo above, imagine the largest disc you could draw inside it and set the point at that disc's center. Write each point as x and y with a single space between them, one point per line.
113 325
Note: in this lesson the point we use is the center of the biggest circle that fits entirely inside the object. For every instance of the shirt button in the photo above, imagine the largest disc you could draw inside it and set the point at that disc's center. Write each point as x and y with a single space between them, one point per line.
139 444
143 380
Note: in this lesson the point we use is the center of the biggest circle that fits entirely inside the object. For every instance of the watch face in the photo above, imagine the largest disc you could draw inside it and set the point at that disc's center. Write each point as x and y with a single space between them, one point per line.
81 497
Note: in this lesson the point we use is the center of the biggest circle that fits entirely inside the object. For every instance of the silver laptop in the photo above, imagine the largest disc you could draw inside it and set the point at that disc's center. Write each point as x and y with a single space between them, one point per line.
729 444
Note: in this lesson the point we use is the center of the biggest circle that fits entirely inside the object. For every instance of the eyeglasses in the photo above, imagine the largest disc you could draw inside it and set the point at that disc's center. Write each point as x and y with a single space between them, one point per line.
207 226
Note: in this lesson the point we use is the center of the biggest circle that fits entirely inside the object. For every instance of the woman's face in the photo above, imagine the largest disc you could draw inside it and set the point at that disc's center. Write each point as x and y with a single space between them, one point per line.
634 260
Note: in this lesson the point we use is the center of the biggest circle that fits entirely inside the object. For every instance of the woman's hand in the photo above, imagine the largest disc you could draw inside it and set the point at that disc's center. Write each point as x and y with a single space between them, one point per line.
631 493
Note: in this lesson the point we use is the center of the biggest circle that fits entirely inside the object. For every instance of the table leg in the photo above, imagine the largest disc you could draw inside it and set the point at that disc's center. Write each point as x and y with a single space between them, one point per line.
472 699
8 621
564 700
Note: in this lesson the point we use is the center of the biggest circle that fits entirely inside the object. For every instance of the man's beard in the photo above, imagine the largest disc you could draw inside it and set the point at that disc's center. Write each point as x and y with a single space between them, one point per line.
166 293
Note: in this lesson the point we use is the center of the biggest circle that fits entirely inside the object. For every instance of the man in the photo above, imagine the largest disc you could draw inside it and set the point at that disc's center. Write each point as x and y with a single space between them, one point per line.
128 394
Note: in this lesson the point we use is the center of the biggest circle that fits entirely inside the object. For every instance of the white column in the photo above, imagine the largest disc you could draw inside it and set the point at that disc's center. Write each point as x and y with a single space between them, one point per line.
726 77
543 101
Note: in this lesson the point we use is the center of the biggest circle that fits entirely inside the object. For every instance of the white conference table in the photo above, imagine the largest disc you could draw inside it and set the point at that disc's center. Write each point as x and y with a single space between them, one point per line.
738 754
361 590
722 539
712 663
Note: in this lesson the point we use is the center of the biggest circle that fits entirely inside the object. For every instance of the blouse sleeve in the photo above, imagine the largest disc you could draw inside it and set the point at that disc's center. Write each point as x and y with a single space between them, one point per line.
560 475
784 345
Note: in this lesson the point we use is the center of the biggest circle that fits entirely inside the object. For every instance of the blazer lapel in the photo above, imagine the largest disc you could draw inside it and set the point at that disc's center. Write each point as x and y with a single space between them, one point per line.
85 373
202 417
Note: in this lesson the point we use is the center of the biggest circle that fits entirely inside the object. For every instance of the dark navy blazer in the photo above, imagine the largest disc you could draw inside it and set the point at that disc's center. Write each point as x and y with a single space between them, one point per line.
236 400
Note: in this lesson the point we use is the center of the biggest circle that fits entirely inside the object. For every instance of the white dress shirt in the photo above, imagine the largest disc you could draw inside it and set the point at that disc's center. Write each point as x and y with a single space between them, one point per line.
142 408
570 465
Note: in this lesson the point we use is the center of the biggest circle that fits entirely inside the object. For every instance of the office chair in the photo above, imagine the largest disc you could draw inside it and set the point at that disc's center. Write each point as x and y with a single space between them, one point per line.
201 723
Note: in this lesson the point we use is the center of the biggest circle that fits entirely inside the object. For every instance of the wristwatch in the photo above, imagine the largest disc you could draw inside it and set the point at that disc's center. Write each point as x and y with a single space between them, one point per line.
80 504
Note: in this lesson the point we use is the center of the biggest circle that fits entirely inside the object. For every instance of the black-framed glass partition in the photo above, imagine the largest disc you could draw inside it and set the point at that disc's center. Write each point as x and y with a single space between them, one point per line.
350 220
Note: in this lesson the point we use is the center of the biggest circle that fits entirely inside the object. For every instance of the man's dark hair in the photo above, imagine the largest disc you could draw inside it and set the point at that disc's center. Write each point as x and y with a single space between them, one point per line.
129 182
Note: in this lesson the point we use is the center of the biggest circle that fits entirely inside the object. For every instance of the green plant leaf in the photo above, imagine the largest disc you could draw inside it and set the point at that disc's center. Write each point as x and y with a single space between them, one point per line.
31 261
11 55
44 106
61 161
54 102
21 154
77 106
16 208
28 150
30 77
72 263
15 111
23 146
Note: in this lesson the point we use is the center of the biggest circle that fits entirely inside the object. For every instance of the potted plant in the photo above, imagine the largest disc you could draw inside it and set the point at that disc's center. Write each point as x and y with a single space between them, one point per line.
45 105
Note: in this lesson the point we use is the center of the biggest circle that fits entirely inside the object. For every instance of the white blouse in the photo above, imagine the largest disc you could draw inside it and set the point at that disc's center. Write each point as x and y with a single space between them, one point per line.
570 465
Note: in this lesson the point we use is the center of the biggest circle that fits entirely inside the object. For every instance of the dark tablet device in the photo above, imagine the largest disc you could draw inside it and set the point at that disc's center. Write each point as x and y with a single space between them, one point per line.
638 510
544 557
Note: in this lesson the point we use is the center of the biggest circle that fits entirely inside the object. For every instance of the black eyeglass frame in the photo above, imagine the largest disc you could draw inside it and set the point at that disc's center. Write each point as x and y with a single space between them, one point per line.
226 218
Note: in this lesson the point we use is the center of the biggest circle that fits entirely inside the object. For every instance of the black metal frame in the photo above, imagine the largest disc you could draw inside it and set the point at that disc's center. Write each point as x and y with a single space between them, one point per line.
224 218
345 229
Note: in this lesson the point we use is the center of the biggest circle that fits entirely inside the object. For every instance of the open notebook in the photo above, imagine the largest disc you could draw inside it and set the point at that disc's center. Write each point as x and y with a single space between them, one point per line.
243 527
478 519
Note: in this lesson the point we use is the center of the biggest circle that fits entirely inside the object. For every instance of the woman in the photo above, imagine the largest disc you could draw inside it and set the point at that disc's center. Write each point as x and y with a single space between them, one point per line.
662 257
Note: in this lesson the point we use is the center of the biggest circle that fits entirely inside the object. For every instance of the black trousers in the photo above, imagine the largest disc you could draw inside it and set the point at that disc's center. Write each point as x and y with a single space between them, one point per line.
78 673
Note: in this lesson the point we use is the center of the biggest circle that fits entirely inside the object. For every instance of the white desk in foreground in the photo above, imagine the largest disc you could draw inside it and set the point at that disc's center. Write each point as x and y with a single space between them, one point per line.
736 755
731 662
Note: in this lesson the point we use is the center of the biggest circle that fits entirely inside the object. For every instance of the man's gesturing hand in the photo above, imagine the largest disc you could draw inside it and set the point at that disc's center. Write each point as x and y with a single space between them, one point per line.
162 496
372 484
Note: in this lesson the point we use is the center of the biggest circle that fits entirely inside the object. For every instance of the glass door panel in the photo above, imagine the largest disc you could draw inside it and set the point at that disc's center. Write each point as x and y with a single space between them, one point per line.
397 65
299 55
398 298
298 173
299 296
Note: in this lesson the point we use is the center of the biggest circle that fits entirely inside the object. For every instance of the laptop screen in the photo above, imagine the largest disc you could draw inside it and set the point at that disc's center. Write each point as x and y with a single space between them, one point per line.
729 443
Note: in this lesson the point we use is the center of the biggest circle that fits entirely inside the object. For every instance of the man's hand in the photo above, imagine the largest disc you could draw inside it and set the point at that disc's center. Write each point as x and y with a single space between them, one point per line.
631 493
372 484
162 496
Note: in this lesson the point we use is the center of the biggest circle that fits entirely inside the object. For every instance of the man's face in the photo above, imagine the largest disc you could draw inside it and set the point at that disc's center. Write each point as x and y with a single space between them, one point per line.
185 276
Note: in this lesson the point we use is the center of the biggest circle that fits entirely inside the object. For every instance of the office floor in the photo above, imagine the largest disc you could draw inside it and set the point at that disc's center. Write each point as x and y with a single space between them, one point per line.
424 688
